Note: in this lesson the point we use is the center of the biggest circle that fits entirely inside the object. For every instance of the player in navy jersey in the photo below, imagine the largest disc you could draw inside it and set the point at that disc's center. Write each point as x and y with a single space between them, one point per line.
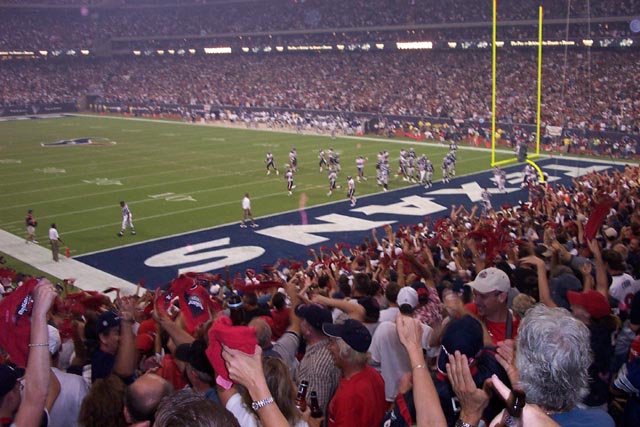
429 169
445 169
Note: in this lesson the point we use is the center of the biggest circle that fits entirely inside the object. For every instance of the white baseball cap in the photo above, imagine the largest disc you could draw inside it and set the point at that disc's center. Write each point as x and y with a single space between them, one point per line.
491 279
408 295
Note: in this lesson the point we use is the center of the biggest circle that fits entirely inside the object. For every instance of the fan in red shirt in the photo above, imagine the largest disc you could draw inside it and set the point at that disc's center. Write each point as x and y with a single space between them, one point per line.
359 399
490 292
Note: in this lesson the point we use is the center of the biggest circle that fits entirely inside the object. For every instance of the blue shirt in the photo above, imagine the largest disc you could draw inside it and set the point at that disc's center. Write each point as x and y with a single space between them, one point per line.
578 417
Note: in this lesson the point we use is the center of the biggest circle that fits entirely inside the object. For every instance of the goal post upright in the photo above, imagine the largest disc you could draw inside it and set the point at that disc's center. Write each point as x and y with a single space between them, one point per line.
493 83
538 101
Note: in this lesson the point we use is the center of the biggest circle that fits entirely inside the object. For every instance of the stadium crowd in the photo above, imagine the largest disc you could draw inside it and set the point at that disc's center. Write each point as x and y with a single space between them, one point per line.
433 84
87 27
412 326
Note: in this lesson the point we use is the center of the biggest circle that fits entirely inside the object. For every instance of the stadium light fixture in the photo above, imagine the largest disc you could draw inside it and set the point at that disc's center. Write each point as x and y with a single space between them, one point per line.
414 45
217 50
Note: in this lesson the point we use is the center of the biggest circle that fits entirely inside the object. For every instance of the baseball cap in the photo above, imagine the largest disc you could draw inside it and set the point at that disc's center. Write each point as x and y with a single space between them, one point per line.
195 355
610 232
594 302
9 376
315 314
491 279
560 285
107 320
408 295
463 334
352 332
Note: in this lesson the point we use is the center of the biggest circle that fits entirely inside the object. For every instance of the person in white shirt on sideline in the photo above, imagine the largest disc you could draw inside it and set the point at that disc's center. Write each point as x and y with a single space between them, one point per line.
246 212
55 240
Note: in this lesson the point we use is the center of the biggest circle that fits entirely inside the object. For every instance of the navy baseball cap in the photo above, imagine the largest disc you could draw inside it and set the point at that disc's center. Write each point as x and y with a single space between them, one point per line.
9 376
352 332
465 335
195 355
315 314
107 320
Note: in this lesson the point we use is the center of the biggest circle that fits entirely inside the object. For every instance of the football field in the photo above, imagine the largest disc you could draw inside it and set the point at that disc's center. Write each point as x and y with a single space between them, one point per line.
176 177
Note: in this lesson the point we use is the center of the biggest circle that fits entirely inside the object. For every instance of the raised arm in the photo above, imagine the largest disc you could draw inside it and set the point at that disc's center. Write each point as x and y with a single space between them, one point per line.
38 373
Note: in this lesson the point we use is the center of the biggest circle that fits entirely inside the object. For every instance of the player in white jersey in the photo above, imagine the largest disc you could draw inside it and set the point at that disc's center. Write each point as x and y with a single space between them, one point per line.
529 176
322 160
486 201
360 160
293 159
501 178
333 179
402 165
271 164
289 177
351 190
246 212
127 219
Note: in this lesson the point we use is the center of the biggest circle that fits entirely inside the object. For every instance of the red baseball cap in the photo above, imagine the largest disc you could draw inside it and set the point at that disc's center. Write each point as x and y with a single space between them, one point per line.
594 302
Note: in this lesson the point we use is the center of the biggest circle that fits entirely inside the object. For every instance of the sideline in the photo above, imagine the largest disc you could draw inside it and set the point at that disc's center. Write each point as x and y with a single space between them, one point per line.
39 256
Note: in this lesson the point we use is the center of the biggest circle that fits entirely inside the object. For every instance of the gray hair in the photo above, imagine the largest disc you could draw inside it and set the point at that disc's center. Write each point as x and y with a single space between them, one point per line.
351 356
263 331
186 408
553 358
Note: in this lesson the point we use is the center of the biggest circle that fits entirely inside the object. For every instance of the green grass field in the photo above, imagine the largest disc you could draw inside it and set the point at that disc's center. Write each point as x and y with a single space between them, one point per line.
175 177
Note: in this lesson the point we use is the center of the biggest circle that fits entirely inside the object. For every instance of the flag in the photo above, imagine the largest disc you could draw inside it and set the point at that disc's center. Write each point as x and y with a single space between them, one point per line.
597 217
15 321
195 302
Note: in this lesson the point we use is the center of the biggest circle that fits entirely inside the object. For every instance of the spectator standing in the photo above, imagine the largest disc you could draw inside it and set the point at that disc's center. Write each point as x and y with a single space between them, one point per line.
55 240
490 292
359 399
